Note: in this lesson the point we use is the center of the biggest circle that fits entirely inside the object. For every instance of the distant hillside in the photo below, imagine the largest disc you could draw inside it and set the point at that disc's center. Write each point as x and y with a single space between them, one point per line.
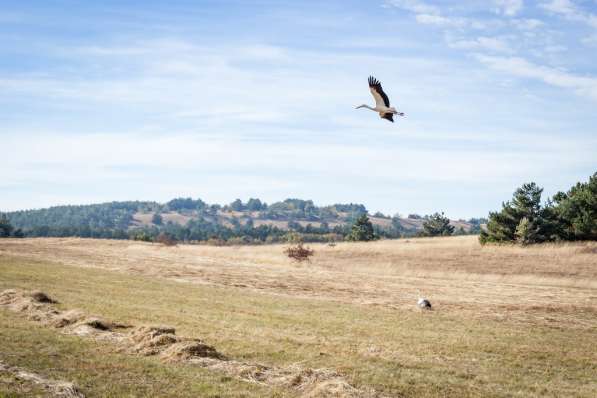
194 220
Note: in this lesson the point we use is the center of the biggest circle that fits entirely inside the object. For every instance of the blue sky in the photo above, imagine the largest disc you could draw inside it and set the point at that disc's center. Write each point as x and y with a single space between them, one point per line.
224 99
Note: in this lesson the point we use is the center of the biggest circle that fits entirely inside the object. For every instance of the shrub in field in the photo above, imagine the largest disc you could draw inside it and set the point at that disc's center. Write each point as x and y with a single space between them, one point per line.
297 251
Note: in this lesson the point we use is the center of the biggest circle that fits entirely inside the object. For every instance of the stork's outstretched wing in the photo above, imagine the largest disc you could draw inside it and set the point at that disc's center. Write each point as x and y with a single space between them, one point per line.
389 117
381 99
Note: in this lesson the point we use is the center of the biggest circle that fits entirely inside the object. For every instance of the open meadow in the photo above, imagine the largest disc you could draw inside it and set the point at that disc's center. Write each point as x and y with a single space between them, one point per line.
506 320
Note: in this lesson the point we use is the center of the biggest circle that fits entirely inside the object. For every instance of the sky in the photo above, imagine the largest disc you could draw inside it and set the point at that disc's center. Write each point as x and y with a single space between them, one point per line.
148 100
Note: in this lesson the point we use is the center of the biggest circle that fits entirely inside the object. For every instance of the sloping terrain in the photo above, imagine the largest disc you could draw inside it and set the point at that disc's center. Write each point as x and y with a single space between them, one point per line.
506 321
119 219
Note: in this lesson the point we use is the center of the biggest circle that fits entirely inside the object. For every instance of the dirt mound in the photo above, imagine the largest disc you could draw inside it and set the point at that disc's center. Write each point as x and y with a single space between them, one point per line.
312 382
97 328
12 295
35 305
189 349
154 340
162 341
56 388
142 332
39 307
151 340
7 296
67 318
41 297
97 323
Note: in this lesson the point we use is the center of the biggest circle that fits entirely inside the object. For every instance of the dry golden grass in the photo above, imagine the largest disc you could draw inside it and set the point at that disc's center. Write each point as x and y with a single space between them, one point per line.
507 321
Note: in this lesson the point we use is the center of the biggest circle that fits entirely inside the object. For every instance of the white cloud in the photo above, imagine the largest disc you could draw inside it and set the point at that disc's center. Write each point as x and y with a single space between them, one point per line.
570 11
481 43
565 7
415 6
509 7
586 86
438 20
464 25
531 38
527 23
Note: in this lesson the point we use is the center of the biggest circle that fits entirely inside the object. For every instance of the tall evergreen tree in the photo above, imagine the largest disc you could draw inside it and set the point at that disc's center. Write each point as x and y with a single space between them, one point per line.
576 211
362 229
437 225
6 227
523 219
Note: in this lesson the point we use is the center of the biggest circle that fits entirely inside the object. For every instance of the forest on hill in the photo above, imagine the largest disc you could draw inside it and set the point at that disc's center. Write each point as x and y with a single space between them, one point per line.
253 221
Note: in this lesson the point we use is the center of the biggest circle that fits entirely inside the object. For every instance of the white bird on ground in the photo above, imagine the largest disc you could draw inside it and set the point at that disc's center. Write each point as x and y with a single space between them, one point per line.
424 304
382 102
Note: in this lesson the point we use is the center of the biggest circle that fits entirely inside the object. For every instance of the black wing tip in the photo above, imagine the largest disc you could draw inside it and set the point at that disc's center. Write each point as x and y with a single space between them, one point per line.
373 81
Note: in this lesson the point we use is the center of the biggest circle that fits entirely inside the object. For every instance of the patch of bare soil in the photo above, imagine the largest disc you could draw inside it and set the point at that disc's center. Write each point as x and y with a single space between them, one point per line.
163 342
54 388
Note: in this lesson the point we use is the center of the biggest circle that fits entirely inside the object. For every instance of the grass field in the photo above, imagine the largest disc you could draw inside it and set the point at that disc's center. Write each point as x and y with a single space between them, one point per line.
507 321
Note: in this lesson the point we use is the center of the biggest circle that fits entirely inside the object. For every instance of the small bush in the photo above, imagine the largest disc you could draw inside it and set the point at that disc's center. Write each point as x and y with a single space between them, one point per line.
299 252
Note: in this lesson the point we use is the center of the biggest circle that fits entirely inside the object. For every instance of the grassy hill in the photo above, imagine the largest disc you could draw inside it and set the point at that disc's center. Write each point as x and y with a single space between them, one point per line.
193 219
507 321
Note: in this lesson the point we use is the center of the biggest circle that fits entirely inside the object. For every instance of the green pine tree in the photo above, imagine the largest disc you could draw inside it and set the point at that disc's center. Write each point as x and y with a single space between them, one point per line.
508 225
362 230
437 225
576 211
6 227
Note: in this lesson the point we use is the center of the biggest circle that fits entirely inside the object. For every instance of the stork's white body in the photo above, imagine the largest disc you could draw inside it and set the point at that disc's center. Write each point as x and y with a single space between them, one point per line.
424 304
382 102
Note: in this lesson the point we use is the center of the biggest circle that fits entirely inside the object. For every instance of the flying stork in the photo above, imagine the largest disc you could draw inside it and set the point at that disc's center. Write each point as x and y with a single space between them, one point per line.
382 102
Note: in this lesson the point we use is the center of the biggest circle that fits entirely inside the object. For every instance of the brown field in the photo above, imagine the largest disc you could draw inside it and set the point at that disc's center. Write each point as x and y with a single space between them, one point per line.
144 219
507 321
